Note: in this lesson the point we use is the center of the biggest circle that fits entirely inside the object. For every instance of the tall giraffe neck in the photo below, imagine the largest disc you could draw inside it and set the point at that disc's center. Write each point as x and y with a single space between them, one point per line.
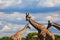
56 25
36 25
18 35
23 30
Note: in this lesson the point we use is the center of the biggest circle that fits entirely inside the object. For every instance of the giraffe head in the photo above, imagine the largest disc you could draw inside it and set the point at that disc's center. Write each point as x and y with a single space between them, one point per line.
28 26
27 17
49 24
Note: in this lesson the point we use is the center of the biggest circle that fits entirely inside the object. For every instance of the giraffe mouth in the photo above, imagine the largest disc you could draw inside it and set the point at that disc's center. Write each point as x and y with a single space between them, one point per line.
29 28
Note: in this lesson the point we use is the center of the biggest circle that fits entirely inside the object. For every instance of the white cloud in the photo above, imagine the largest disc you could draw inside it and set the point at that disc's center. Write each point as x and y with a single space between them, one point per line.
5 34
49 3
31 0
53 17
26 3
17 16
5 28
19 1
39 17
17 27
11 27
49 17
13 16
1 23
7 3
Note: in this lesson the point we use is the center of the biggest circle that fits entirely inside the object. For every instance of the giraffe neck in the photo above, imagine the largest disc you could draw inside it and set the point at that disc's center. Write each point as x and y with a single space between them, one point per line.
19 33
56 25
36 25
23 30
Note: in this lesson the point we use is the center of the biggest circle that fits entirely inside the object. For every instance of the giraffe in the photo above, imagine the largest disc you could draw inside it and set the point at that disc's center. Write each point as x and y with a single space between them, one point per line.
43 33
17 36
57 26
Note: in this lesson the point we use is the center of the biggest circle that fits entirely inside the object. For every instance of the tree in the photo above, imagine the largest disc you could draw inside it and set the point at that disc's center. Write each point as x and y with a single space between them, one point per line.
23 38
5 38
57 37
30 36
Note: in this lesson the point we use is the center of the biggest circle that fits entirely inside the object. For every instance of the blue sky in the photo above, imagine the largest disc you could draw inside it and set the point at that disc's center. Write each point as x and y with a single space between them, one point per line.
12 14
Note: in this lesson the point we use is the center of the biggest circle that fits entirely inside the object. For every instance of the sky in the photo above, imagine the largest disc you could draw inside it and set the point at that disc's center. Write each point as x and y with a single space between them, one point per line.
12 15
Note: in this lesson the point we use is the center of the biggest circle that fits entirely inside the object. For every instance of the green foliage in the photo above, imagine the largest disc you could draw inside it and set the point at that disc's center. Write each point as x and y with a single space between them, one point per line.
30 37
5 38
23 38
57 37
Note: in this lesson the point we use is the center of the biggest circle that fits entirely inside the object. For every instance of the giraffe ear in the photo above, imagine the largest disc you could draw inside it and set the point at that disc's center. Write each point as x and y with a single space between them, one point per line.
26 13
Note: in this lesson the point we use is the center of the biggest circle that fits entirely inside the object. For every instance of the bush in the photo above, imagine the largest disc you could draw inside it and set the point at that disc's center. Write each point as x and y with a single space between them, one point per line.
5 38
30 37
57 37
23 38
